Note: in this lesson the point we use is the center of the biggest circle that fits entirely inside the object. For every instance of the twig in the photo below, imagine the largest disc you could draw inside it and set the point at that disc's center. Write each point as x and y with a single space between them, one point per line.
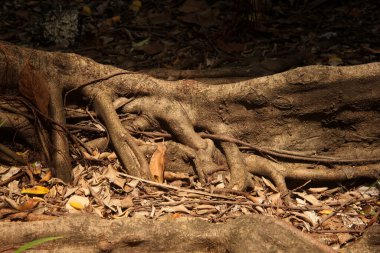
322 231
176 188
14 177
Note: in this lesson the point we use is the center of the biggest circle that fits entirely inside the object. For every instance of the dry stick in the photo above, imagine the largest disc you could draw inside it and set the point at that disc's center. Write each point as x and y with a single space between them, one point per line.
213 195
14 177
250 203
274 152
295 189
322 231
176 188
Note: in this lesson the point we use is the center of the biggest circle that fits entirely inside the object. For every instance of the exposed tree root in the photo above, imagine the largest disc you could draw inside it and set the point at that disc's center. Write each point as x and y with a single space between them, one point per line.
331 112
91 234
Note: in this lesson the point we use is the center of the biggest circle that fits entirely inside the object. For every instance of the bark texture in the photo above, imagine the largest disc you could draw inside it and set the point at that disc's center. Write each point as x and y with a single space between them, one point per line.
316 122
90 234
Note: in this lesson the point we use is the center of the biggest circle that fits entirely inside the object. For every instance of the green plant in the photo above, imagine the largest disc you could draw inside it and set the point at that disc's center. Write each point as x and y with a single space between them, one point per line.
35 243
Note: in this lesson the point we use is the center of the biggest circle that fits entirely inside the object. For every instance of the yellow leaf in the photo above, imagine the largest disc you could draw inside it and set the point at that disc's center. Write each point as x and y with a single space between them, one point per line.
86 10
135 6
157 163
38 190
335 60
76 205
116 19
326 211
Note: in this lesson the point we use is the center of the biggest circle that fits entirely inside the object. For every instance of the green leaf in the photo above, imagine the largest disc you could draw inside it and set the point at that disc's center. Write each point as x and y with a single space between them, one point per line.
35 243
140 43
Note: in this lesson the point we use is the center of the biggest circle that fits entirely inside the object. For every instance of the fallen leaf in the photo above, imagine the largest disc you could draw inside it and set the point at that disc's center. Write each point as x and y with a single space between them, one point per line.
175 209
35 168
269 184
37 190
47 176
77 203
86 10
151 48
309 198
326 211
11 203
9 172
335 60
135 5
113 176
136 45
157 163
28 204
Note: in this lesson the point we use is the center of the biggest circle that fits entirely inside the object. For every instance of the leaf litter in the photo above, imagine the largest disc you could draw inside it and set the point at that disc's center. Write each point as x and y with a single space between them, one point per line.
139 36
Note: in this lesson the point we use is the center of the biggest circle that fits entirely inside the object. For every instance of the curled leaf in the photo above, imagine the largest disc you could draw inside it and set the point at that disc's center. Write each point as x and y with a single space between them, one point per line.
28 204
157 163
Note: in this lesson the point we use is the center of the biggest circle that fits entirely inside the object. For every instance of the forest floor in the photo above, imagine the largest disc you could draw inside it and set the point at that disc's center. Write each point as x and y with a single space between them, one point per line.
197 35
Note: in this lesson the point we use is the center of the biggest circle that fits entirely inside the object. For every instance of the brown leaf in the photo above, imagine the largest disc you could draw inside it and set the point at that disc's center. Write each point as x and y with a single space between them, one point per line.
33 86
47 176
151 48
157 162
28 204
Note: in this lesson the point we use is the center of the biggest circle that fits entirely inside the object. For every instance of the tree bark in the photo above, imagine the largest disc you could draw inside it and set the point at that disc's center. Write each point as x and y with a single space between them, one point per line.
316 122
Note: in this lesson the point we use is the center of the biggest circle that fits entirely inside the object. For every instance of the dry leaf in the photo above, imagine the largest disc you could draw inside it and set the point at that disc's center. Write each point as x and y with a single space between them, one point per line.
175 209
325 211
11 203
269 184
9 172
309 198
28 204
33 86
157 163
38 190
335 60
35 168
135 6
77 203
113 176
47 176
86 10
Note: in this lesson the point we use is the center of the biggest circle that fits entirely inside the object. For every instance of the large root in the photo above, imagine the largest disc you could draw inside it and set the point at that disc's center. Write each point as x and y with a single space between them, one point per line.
313 115
91 234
